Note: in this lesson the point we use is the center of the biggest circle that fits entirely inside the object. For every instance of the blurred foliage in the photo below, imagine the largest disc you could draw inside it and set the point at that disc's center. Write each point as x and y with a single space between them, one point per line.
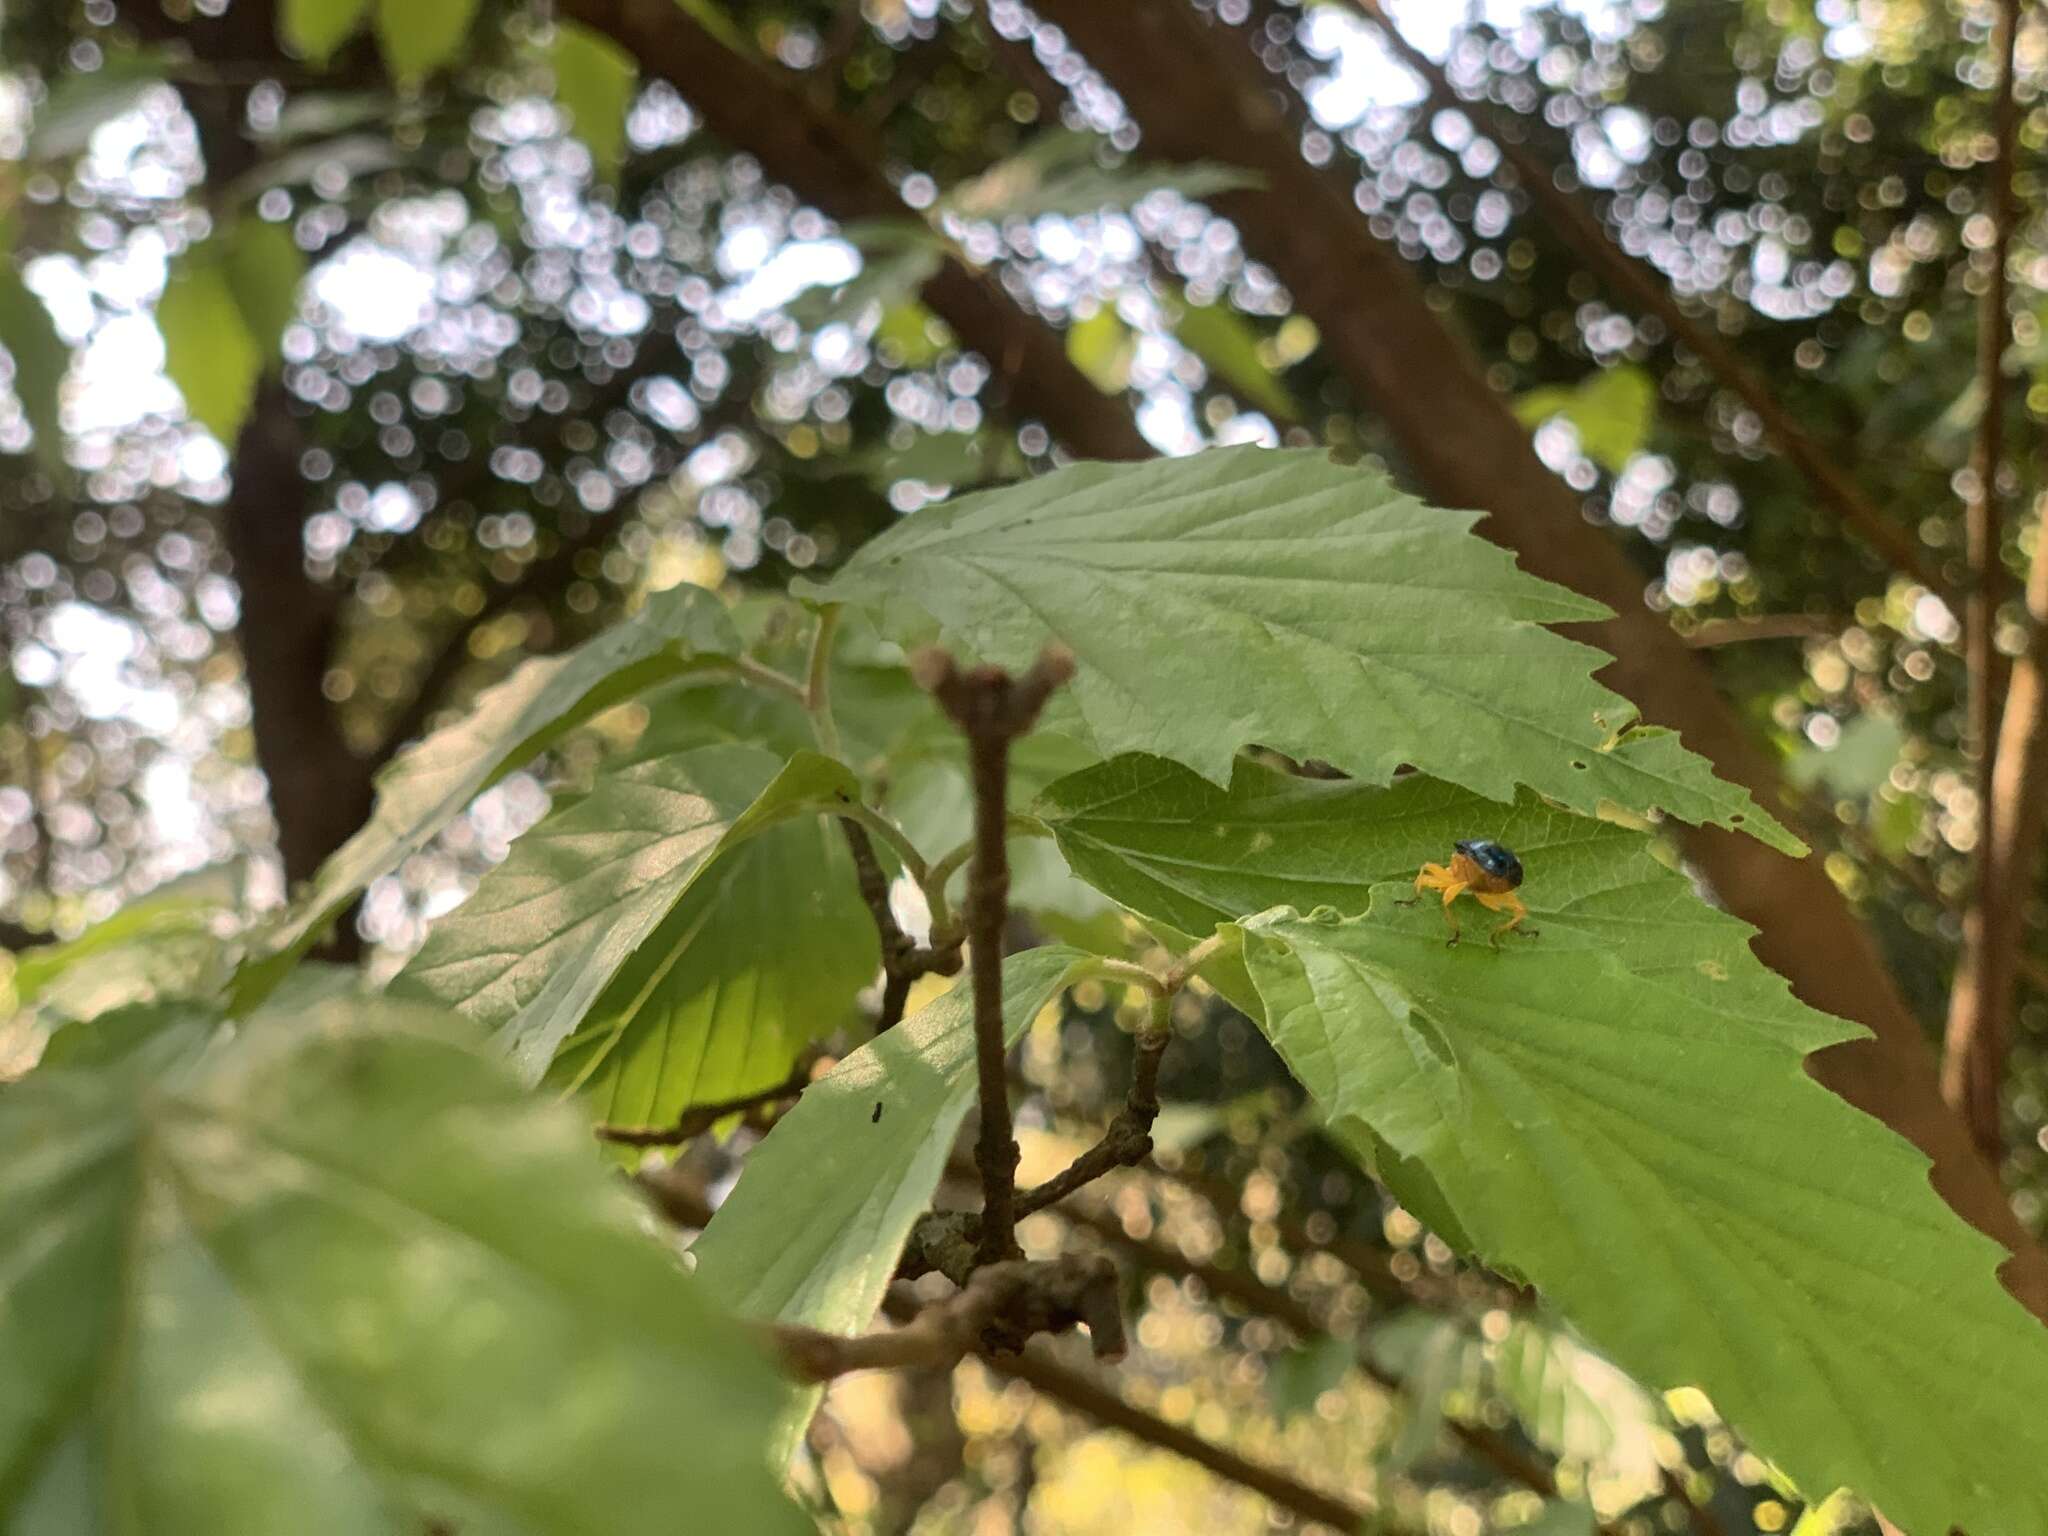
556 349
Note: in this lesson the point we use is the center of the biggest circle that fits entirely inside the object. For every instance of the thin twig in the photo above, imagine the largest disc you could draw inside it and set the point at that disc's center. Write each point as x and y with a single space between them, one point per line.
999 1310
1104 1406
1980 998
818 681
1568 217
761 675
699 1118
1127 1141
1764 626
992 709
903 960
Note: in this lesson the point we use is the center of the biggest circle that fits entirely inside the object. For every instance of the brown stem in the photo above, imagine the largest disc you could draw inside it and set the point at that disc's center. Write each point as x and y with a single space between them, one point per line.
902 961
1980 1000
699 1118
1104 1406
997 1312
992 709
1125 1144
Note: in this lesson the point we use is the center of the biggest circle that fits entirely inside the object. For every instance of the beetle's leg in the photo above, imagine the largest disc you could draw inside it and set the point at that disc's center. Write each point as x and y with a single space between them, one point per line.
1452 892
1509 902
1430 877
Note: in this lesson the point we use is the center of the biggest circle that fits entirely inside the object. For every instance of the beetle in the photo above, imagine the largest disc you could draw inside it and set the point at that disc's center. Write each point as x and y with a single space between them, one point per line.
1490 872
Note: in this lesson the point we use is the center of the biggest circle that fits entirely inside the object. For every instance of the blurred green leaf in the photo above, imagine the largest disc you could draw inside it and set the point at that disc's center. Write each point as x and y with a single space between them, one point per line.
795 1247
677 633
1572 1108
943 458
209 351
912 334
315 28
713 1005
1102 347
1225 340
548 930
79 103
1858 763
1612 412
595 80
265 267
417 37
1061 174
40 359
191 907
1283 599
348 1278
1296 1378
1435 1366
1559 1518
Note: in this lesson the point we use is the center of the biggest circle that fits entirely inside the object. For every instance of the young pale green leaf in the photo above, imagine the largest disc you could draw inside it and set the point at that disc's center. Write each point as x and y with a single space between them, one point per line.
78 104
594 79
797 1245
1244 595
426 786
1573 1107
265 266
756 961
315 28
1060 175
549 929
40 359
418 36
344 1276
209 351
1612 412
1103 348
1225 340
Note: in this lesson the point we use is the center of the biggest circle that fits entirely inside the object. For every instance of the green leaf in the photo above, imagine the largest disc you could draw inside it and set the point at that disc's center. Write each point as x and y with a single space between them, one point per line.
1060 174
1295 1380
347 1277
1573 1107
797 1247
1857 765
1245 595
752 965
428 785
79 104
417 37
315 28
549 929
1102 347
595 80
40 358
940 458
1612 412
1222 338
265 267
209 351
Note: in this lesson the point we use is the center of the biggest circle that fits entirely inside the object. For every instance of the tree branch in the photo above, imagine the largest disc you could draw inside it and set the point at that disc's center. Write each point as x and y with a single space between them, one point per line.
1640 284
1127 1141
992 709
1980 999
902 960
997 1312
1085 1396
830 161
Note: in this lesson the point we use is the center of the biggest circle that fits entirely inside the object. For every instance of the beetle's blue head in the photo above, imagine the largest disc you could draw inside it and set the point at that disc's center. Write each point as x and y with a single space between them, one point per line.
1496 860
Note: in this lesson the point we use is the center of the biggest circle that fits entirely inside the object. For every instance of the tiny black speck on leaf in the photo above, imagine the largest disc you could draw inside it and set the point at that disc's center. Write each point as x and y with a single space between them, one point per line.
876 1117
